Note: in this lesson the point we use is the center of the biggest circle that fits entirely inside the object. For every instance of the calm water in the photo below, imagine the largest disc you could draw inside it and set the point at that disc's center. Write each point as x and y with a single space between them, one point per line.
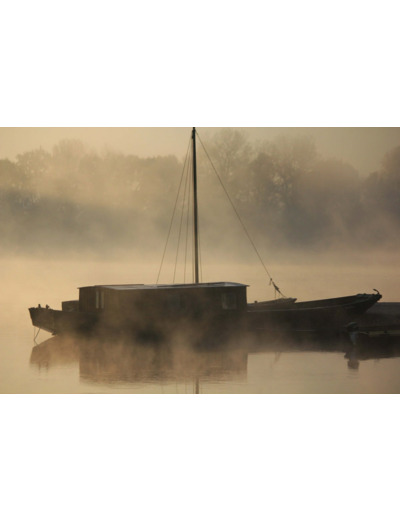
54 365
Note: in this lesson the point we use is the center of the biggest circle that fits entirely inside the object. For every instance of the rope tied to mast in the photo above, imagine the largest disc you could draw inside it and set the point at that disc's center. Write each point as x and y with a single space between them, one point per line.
196 244
276 288
271 282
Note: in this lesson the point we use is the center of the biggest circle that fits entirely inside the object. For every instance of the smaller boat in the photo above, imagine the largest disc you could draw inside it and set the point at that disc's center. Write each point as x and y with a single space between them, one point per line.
318 315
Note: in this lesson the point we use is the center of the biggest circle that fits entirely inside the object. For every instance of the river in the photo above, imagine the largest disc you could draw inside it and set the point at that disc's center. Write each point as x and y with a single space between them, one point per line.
215 456
48 365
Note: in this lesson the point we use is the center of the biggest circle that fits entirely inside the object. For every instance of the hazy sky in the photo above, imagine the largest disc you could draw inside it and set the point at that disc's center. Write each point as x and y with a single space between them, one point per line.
362 147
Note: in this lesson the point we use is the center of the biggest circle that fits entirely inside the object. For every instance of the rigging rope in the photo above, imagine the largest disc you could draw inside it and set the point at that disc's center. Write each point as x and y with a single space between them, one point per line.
200 260
271 281
187 227
173 213
180 225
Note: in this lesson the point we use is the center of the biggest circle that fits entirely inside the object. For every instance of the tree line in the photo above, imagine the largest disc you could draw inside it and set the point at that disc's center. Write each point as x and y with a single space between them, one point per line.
75 199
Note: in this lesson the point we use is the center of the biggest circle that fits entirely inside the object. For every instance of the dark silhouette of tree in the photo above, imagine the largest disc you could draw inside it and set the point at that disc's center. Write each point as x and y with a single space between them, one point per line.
390 180
380 195
75 199
231 153
329 200
275 185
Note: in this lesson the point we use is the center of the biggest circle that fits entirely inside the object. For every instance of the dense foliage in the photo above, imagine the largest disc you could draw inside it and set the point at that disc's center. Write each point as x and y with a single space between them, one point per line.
287 194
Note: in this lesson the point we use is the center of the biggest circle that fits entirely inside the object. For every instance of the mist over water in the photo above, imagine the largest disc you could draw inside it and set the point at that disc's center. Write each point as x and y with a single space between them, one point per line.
73 216
70 365
292 195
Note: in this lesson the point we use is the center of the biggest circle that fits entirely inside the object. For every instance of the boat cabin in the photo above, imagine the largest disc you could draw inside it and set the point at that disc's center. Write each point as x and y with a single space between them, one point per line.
154 301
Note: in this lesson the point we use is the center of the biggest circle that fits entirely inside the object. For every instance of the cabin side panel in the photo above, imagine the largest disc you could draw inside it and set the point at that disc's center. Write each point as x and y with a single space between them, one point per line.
161 308
91 299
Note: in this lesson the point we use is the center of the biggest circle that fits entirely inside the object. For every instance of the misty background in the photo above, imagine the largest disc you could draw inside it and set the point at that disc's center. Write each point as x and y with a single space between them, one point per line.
82 191
122 64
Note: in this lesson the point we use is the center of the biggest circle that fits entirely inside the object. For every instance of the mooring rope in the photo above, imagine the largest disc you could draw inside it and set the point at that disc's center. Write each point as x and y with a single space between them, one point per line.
36 334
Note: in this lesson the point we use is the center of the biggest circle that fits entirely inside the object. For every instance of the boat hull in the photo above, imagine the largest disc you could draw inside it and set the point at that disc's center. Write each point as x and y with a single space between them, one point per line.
217 328
58 322
323 316
318 315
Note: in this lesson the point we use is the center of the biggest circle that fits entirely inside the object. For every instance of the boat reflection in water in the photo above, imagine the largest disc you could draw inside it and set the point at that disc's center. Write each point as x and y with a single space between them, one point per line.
364 346
113 362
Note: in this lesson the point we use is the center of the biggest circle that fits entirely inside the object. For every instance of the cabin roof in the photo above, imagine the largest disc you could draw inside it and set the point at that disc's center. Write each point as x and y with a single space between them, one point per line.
143 287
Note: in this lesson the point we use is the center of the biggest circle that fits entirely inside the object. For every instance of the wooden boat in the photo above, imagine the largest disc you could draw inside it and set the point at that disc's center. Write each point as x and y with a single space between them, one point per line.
149 312
319 315
218 310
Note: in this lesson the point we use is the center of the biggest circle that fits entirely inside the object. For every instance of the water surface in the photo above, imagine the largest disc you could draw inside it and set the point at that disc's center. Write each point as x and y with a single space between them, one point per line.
70 365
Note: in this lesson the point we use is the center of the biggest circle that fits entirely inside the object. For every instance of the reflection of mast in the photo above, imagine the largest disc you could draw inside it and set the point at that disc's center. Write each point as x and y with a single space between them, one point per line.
195 214
197 385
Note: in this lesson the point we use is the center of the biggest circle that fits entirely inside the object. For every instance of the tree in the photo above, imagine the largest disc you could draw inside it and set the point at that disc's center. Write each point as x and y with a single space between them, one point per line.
381 189
390 177
231 154
34 167
275 176
329 196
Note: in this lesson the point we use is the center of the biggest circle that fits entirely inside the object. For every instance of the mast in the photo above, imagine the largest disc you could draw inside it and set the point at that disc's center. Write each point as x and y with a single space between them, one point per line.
195 211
